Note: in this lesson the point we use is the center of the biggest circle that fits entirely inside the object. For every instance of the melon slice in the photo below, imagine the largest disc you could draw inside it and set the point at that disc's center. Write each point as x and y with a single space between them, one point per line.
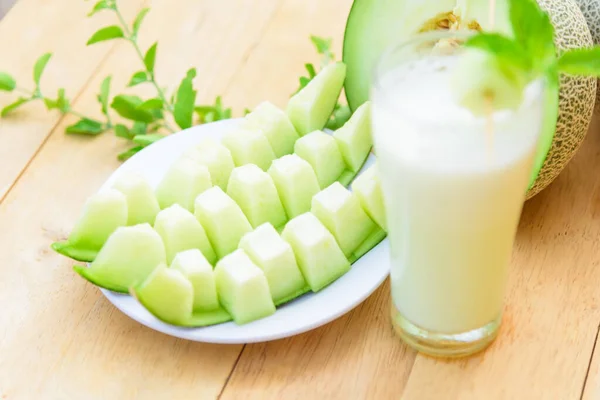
223 220
368 189
102 214
180 230
296 183
254 191
276 258
318 255
276 126
182 183
243 288
340 211
249 147
311 107
216 157
129 255
354 139
142 205
199 272
322 153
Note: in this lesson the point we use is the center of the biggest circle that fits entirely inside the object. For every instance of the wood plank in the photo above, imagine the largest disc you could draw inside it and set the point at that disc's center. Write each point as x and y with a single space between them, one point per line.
71 341
591 390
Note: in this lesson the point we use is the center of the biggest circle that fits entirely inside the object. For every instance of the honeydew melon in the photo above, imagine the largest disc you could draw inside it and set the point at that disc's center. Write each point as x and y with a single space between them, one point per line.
254 191
180 230
222 219
354 138
322 153
296 183
196 268
275 125
243 288
319 257
249 147
129 255
368 189
276 258
216 157
182 183
142 205
102 214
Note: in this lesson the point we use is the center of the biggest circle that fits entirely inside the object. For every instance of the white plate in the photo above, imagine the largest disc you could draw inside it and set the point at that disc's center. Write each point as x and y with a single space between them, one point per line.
300 315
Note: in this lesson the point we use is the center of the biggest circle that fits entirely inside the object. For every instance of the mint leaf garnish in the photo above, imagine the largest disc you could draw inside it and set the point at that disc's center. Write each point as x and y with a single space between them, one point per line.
581 62
108 33
7 82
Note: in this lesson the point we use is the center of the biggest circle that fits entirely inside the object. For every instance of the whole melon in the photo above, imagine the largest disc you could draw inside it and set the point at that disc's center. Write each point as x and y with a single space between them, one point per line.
591 12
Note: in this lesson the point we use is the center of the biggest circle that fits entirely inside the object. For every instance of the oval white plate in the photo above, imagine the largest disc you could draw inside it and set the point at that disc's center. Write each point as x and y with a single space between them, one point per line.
300 315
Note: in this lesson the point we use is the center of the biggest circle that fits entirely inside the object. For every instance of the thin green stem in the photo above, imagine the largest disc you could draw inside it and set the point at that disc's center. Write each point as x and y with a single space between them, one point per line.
24 91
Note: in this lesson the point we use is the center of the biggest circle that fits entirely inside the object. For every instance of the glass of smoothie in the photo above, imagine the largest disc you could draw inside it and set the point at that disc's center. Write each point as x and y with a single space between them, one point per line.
454 182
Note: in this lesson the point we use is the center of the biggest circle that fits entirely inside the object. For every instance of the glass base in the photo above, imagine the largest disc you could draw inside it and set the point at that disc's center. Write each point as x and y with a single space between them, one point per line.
444 345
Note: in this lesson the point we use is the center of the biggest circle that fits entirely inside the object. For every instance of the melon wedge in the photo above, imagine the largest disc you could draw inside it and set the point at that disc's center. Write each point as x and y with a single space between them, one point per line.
318 255
341 213
322 153
216 157
276 258
196 268
296 183
249 147
142 205
354 139
129 255
254 191
311 107
368 189
243 288
275 125
182 183
222 219
102 214
180 230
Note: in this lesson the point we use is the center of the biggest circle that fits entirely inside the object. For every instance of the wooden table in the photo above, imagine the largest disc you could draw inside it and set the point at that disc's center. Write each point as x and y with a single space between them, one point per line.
61 339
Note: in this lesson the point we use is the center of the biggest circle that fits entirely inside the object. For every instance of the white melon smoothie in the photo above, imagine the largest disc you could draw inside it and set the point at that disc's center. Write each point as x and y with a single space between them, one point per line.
453 184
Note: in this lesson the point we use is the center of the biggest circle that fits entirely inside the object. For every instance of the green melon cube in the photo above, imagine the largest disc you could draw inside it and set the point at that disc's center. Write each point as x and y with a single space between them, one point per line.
216 157
322 153
354 139
276 258
182 183
243 288
249 147
223 220
318 255
142 205
368 189
102 214
276 126
296 183
200 273
167 294
254 191
129 255
340 211
180 230
311 107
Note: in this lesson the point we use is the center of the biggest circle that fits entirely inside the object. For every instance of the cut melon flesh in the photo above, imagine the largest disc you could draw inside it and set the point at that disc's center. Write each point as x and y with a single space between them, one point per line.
368 189
249 147
129 255
196 268
142 205
341 213
322 153
254 191
296 183
102 214
276 258
275 125
180 230
182 183
222 219
216 157
243 288
311 107
318 255
354 139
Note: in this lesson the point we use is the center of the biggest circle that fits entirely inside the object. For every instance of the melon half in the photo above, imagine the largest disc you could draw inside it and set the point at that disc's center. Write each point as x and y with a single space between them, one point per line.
374 25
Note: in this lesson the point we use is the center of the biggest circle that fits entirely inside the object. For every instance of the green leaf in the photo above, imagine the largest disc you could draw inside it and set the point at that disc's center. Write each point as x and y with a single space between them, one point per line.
340 116
13 106
247 111
127 154
582 62
147 140
101 5
107 33
104 94
127 107
507 50
139 128
39 67
184 102
86 126
152 104
150 57
62 102
137 78
138 21
123 132
50 104
311 70
322 44
7 82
